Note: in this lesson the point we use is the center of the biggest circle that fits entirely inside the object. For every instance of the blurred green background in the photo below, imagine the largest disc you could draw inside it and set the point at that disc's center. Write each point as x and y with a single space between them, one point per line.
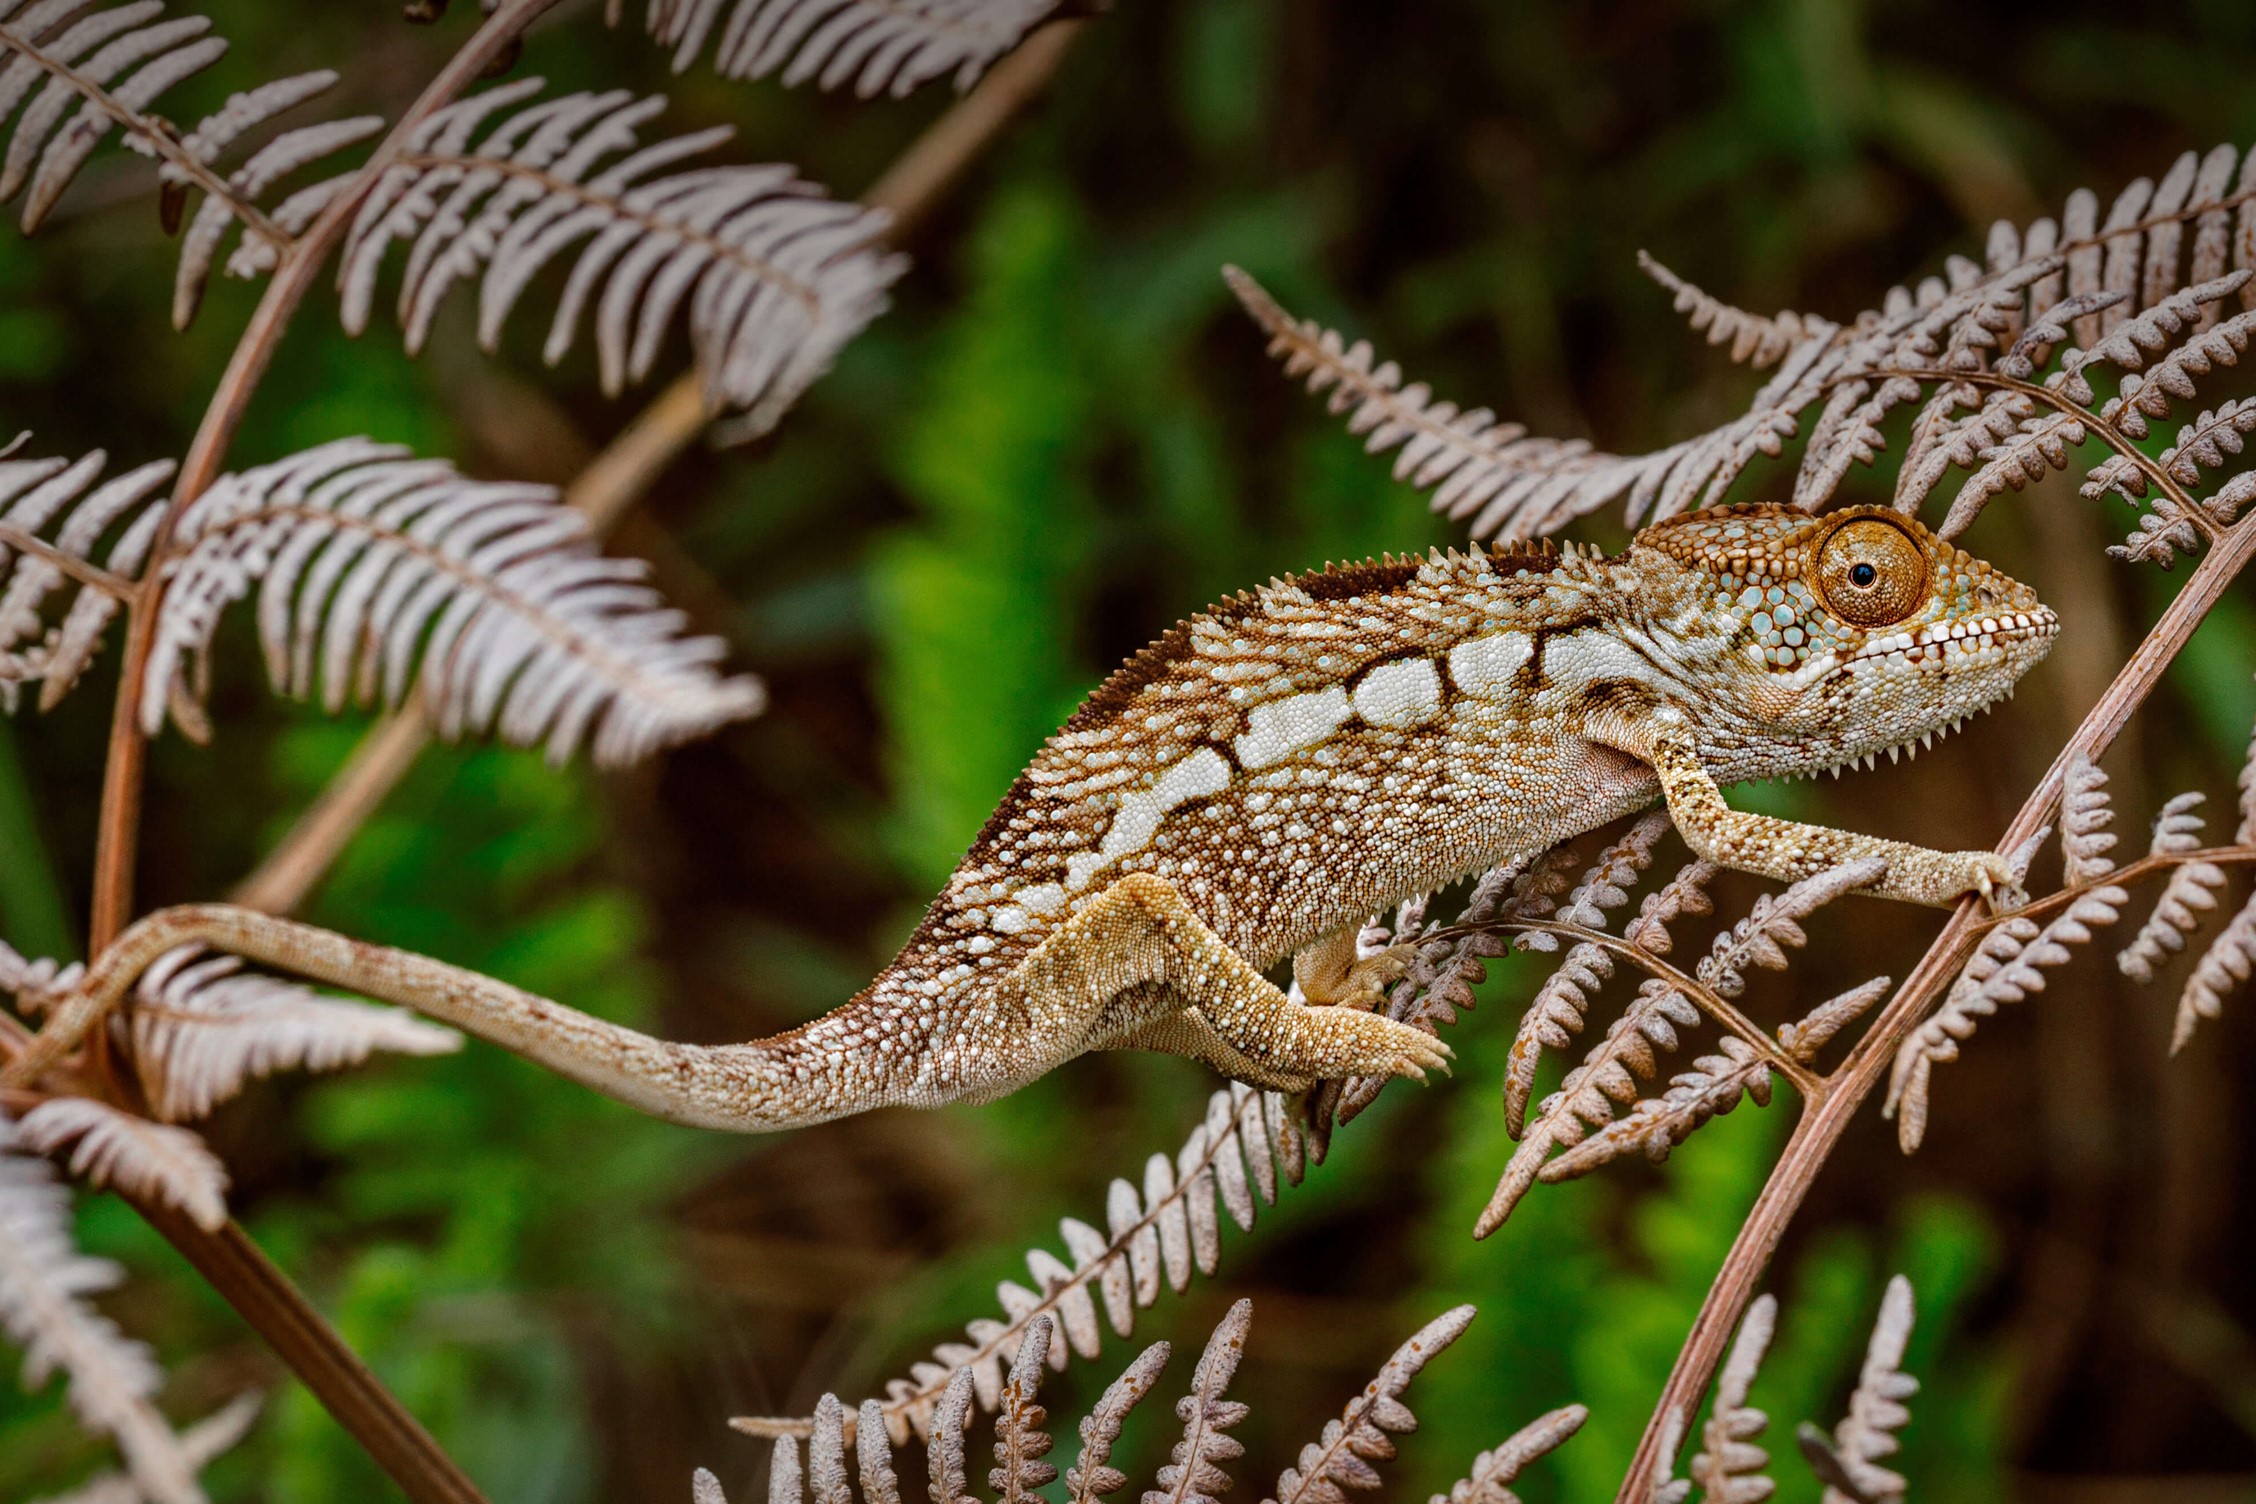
1063 438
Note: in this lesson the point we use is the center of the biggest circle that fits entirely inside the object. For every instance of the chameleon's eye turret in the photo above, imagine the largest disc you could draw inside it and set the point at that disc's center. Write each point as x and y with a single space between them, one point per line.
1871 573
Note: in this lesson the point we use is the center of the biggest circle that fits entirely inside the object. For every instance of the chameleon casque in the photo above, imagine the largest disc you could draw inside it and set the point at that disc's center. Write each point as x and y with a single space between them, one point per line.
1271 772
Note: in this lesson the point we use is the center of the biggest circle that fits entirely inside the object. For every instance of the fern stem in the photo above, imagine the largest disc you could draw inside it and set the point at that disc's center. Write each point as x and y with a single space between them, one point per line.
67 563
1826 1118
2045 396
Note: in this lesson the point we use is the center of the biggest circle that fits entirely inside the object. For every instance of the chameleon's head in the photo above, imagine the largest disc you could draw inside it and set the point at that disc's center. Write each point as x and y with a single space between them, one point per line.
1845 635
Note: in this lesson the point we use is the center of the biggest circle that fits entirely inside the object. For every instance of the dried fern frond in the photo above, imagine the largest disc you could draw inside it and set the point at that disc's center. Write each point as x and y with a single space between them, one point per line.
1731 1468
1510 484
53 514
775 278
1092 1476
1154 1239
1867 1434
1340 1459
879 44
153 1161
375 570
1194 1470
2190 892
2124 289
264 233
1755 341
203 1028
87 73
202 1444
1607 1080
2086 810
2223 967
1441 979
1656 1125
1020 1441
2007 967
1495 1470
1555 1014
44 1282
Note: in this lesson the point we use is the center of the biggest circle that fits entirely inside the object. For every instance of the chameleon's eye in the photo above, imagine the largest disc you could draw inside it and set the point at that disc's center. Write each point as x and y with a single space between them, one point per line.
1871 573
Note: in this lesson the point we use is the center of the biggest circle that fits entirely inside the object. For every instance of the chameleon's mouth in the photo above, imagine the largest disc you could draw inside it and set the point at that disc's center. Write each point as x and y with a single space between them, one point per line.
1939 641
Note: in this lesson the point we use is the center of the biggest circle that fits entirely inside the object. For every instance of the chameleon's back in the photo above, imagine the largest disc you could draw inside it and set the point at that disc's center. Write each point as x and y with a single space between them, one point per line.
1294 758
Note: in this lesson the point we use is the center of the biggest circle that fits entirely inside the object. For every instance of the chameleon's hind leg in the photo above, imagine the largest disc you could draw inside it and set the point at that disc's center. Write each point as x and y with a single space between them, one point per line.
1140 930
1185 1032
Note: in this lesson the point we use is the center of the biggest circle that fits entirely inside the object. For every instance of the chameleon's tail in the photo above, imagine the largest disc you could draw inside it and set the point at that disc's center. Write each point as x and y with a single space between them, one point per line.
744 1088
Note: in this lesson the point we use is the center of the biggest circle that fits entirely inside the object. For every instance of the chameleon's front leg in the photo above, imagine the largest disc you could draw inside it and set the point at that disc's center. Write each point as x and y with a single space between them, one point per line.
1141 931
1788 849
1330 973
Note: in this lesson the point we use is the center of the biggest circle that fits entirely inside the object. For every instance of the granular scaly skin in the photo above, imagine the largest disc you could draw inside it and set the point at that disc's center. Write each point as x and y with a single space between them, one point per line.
1272 772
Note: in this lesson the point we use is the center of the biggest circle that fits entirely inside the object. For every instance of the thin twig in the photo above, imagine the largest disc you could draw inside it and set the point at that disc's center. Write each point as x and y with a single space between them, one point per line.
1823 1122
2045 396
1711 1002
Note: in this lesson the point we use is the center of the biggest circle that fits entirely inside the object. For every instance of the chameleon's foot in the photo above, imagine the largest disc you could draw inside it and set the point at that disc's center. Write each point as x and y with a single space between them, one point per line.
1366 982
1950 875
1328 1044
1330 974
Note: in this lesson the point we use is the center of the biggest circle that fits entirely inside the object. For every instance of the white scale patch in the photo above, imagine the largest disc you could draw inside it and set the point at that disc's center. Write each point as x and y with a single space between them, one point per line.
1277 730
1202 773
1581 659
1399 694
1484 666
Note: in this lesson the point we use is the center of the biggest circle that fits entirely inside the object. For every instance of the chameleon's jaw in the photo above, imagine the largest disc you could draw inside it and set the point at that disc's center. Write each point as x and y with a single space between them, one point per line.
1926 682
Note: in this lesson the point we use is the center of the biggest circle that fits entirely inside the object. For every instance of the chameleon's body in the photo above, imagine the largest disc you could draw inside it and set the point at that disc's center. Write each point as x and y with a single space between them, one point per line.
1269 774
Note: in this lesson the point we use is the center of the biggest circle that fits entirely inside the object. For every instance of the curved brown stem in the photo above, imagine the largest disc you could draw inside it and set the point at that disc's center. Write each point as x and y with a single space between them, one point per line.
1823 1122
117 840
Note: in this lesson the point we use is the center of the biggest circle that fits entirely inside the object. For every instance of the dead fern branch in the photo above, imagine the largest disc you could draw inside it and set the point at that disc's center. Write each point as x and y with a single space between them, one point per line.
881 45
1867 1434
774 277
375 570
202 1444
1731 1468
1555 1014
1340 1459
152 1161
1755 341
53 515
1194 1472
1494 1471
2190 892
44 1282
1092 1476
1155 1238
1020 1441
203 1028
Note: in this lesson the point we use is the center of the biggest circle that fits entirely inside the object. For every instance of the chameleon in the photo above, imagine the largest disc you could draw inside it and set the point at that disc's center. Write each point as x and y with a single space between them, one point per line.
1271 772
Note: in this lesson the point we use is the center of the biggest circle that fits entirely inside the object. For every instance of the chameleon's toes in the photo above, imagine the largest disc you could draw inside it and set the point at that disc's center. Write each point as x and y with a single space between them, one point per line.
1991 876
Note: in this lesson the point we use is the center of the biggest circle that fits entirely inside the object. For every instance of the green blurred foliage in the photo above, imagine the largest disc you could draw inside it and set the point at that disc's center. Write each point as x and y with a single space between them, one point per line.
1063 439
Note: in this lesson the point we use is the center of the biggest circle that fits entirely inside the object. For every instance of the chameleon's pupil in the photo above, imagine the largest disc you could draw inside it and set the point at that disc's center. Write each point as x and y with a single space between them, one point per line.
1863 574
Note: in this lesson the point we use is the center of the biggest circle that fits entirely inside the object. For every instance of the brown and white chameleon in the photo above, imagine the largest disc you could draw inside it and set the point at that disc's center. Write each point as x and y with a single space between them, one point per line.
1271 772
